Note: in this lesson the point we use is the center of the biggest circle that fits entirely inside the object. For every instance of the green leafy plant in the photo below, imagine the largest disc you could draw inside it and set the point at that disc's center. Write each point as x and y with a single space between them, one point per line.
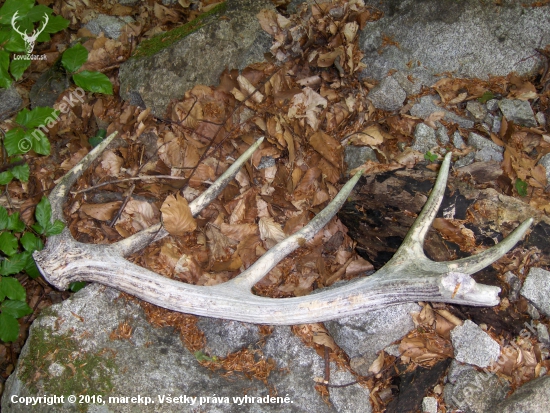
200 356
73 58
16 169
521 187
430 157
77 286
488 95
98 138
16 248
28 133
28 15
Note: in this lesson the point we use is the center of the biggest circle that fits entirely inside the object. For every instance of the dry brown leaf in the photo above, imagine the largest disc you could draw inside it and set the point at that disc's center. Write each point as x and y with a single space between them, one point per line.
169 255
111 163
176 215
350 30
460 98
308 104
328 147
377 364
218 243
322 337
238 231
268 21
270 232
250 89
101 212
327 59
522 90
372 135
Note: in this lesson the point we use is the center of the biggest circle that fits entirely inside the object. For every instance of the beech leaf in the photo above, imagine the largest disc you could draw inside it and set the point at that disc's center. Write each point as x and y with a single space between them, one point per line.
176 215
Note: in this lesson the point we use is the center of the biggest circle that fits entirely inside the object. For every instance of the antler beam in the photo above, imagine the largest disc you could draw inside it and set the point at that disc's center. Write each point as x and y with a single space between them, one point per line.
408 276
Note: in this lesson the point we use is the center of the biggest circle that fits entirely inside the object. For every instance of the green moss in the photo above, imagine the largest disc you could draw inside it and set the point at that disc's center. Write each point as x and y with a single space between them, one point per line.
84 372
161 41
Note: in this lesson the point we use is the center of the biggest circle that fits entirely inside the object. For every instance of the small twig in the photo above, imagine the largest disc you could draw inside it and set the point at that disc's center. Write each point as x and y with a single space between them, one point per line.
134 178
119 212
11 165
327 365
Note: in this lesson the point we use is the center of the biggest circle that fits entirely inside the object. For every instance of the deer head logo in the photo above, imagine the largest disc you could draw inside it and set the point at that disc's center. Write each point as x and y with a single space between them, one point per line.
29 40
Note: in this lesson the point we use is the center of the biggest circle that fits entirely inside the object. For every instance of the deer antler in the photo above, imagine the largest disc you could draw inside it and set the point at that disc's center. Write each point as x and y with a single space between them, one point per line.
408 276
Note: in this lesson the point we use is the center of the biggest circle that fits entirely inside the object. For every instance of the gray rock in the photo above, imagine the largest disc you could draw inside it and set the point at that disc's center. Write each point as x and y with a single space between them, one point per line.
393 350
518 111
224 336
492 105
541 119
362 337
198 58
442 134
467 37
465 160
129 2
542 333
474 346
536 289
71 350
10 102
412 80
473 391
426 106
429 405
488 122
497 123
533 312
298 365
424 138
355 156
458 142
48 87
388 95
545 161
350 398
477 110
515 285
487 150
111 26
532 397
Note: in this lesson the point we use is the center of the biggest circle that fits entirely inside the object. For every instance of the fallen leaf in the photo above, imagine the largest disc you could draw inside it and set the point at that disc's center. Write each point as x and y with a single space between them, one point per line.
101 212
176 215
270 232
308 105
250 89
322 337
328 147
377 365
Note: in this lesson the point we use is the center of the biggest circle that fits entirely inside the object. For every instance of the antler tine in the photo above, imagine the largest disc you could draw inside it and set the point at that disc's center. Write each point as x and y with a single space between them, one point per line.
137 241
59 194
470 265
413 244
272 257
